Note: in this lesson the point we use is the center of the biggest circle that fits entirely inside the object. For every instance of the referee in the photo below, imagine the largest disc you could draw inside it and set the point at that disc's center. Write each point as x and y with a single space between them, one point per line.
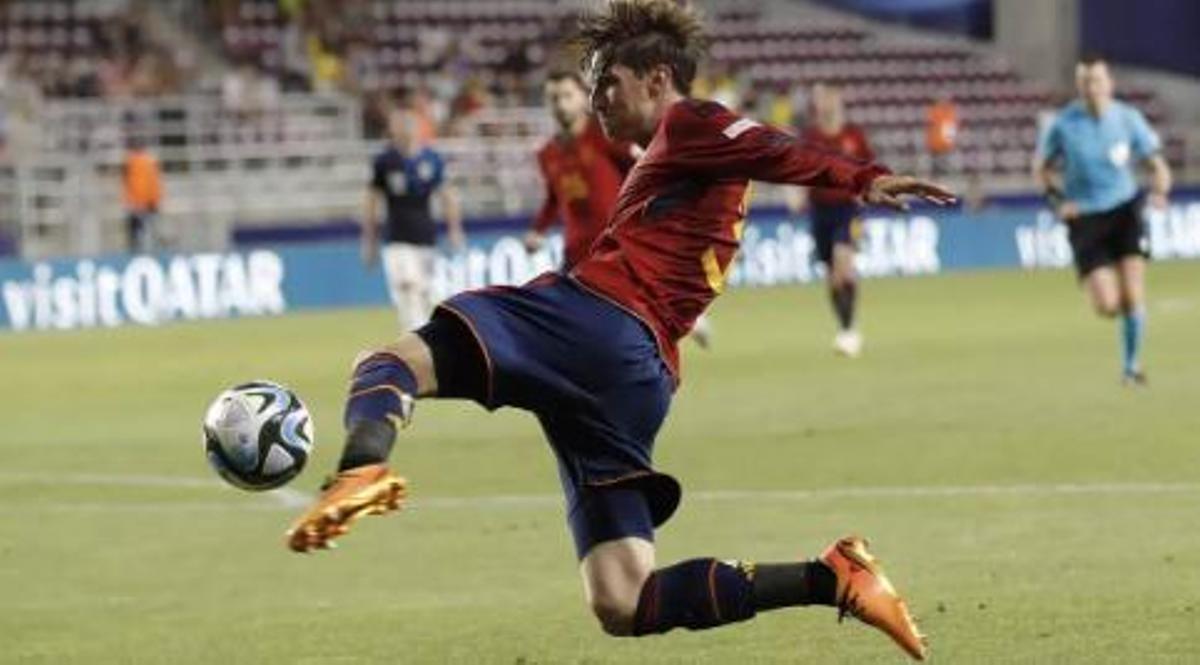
1085 162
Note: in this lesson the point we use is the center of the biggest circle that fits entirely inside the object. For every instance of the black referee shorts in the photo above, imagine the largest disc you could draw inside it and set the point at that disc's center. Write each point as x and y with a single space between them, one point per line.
1104 238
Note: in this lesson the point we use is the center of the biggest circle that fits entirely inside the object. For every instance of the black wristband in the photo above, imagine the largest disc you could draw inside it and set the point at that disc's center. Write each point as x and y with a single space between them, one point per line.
1054 196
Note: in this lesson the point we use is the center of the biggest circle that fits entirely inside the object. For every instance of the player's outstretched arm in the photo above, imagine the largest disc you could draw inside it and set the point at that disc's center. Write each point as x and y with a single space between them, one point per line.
892 190
710 139
453 213
1160 181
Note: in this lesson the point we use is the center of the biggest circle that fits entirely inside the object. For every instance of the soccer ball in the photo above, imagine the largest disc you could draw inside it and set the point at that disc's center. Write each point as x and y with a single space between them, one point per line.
258 435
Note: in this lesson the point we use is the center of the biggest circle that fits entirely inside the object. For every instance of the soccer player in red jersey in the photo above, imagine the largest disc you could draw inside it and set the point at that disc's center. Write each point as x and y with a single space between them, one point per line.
592 353
582 169
835 212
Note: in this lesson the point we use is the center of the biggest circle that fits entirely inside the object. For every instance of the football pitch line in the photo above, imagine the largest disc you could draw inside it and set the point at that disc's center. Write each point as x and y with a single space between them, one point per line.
287 498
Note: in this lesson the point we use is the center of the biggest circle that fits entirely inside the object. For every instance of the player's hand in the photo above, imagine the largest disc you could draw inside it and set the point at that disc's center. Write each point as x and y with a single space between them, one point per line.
1157 200
533 241
458 239
891 190
370 254
1067 211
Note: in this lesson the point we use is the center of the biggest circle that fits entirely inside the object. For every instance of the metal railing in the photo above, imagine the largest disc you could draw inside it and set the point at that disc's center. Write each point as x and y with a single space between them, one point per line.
302 160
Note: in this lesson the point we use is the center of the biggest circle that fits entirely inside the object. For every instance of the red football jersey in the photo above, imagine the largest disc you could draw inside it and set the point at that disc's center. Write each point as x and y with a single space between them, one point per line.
583 175
849 141
679 216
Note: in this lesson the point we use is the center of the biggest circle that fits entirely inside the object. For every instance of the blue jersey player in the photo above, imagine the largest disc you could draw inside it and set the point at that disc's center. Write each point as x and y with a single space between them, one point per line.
593 352
1085 160
407 176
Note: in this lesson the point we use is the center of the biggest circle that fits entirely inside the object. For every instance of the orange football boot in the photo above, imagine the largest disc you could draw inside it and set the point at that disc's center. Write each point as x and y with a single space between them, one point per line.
351 494
865 593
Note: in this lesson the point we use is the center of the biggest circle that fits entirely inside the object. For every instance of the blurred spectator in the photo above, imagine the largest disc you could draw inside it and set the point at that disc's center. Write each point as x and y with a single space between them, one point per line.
142 194
800 106
246 91
426 115
941 133
975 196
122 59
327 69
725 90
472 98
250 98
779 111
361 69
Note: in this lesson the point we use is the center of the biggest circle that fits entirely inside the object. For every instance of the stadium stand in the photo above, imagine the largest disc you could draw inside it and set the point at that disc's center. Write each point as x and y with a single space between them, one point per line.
282 130
888 81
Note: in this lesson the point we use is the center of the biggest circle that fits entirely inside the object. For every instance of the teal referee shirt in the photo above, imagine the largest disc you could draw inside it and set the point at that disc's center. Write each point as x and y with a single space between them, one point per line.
1098 155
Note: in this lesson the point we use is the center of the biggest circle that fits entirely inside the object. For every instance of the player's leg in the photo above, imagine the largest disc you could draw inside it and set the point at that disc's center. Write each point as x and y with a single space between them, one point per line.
1131 244
843 295
631 598
616 500
1132 273
441 359
823 228
417 287
423 300
398 269
842 278
1102 285
135 229
1095 262
614 573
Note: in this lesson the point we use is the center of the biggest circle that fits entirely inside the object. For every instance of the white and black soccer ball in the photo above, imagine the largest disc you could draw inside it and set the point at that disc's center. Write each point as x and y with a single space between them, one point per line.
258 435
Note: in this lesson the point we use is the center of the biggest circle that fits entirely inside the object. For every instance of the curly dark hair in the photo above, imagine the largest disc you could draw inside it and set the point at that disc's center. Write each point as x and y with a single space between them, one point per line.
643 34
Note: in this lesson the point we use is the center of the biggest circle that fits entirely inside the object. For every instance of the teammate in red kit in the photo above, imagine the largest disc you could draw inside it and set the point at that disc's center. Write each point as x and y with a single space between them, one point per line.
592 353
836 225
582 169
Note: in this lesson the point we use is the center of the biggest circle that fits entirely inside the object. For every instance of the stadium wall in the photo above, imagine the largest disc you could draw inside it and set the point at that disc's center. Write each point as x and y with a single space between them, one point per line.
273 279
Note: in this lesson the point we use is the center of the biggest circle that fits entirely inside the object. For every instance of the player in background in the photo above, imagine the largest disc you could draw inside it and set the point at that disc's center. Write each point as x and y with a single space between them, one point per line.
407 175
1085 162
593 353
583 171
835 213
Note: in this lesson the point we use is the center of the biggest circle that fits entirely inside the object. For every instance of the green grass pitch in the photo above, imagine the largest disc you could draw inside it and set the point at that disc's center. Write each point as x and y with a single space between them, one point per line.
1032 510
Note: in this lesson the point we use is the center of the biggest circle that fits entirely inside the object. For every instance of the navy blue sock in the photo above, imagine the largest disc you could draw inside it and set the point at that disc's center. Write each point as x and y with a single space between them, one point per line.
378 391
378 388
844 298
694 594
705 593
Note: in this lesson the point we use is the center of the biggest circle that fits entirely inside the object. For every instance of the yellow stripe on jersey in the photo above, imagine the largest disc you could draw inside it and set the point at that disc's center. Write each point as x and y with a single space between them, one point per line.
712 270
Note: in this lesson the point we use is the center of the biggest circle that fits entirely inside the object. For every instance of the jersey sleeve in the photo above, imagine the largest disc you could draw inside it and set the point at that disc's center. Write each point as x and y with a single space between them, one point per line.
1145 141
1049 142
439 170
378 175
548 213
709 139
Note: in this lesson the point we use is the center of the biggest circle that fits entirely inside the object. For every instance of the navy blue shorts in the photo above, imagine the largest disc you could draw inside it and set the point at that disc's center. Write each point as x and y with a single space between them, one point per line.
592 374
834 225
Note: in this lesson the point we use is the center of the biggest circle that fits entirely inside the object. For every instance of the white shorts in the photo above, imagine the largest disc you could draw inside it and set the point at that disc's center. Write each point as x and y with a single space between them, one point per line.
407 267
